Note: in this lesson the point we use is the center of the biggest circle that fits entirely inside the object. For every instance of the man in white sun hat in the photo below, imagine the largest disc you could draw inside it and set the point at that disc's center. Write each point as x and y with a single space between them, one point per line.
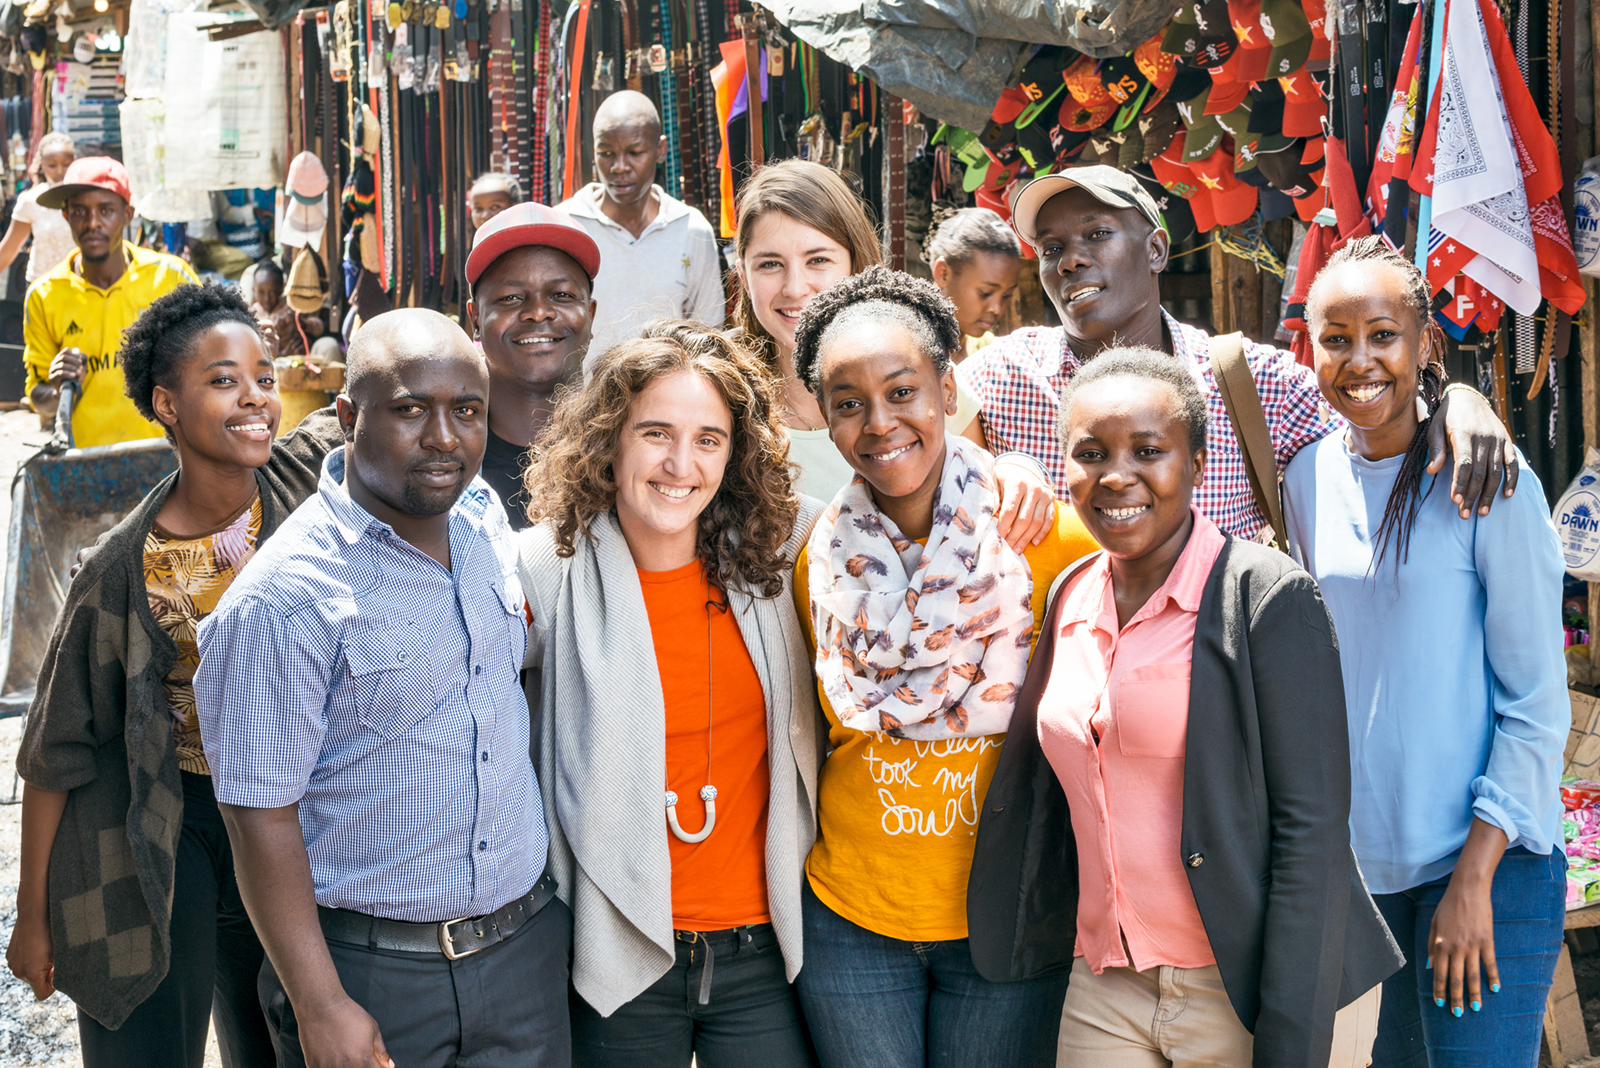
1102 246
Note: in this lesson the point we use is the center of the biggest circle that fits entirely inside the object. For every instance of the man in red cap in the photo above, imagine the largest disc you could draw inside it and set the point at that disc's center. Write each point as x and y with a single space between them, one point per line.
75 315
1102 248
532 272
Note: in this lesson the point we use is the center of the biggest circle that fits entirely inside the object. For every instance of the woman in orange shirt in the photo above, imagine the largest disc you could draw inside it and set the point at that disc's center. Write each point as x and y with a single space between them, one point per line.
674 717
923 617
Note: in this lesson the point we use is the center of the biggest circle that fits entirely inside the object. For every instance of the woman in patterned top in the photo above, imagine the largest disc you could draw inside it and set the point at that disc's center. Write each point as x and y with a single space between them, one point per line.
923 617
127 900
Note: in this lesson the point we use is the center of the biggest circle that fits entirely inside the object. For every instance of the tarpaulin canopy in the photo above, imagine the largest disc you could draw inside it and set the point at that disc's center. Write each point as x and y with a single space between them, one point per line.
950 75
1100 28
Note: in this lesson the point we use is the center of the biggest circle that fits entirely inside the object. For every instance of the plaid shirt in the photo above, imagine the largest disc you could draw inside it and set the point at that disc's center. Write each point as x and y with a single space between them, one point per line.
1020 377
348 671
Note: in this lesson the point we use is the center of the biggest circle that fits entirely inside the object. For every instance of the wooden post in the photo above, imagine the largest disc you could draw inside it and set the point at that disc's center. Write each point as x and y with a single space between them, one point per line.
1221 305
1244 289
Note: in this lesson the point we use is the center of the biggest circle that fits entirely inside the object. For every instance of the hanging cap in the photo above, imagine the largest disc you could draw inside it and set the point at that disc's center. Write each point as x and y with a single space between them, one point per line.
90 172
1303 105
522 225
1114 188
308 180
1287 28
307 283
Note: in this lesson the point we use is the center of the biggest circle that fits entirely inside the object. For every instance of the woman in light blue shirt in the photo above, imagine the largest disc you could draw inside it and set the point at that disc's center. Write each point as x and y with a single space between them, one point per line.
1450 642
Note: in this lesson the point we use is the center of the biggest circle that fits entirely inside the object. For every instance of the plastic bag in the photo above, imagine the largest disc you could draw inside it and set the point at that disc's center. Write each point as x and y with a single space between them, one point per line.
1577 521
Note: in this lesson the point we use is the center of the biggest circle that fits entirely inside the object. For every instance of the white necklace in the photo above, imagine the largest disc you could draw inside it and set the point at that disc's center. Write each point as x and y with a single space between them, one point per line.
708 793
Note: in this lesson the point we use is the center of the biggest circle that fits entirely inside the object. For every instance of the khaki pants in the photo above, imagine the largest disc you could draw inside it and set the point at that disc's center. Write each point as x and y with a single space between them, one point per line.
1180 1018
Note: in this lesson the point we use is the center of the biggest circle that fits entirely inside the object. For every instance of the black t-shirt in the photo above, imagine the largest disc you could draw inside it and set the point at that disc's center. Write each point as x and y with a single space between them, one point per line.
503 464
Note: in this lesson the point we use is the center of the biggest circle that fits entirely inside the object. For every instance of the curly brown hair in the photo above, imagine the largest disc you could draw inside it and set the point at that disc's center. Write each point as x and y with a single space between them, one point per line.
742 531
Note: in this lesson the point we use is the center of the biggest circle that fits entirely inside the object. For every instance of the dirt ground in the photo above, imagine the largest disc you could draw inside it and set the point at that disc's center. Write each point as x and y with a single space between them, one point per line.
31 1032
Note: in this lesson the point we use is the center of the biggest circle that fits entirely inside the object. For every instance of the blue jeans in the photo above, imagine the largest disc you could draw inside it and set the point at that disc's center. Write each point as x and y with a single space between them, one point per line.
878 1002
1529 901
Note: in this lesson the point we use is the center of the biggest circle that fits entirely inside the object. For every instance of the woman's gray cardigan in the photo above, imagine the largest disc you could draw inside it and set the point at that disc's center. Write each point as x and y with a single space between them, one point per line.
599 743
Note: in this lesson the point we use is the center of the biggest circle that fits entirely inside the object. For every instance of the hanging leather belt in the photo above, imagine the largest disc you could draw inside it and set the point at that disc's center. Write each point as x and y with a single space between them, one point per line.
453 939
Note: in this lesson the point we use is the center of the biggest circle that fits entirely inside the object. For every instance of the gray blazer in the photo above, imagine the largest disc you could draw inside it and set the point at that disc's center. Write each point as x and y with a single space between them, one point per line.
1266 810
599 744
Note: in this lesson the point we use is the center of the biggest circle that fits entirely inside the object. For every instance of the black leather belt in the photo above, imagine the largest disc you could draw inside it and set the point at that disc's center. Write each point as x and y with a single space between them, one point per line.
739 936
453 939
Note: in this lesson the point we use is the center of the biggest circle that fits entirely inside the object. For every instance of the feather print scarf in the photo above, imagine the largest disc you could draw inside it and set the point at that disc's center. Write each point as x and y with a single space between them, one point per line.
922 643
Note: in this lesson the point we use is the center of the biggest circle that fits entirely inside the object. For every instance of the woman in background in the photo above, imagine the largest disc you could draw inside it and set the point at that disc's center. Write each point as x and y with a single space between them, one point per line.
52 237
976 262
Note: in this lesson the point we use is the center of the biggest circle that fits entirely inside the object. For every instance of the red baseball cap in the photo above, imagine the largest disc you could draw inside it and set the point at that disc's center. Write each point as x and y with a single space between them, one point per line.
530 224
90 172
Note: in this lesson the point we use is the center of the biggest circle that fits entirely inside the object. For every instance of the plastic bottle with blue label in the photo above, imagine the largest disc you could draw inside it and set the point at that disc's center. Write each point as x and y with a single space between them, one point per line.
1577 521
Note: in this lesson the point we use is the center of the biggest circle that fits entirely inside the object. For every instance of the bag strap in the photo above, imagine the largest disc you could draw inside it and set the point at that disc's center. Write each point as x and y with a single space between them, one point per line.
1239 396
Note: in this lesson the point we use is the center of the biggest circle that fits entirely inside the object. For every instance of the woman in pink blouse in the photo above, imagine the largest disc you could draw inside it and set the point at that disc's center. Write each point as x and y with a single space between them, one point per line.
1189 749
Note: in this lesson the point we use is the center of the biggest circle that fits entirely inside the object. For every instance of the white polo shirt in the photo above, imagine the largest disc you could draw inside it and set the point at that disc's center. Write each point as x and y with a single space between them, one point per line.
670 271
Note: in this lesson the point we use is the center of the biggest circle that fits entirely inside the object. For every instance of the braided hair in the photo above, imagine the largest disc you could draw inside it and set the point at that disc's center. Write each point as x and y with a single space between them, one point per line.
168 332
878 294
958 235
1405 499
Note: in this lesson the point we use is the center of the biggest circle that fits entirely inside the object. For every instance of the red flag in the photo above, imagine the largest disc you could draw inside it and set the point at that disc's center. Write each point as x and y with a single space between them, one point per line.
1397 143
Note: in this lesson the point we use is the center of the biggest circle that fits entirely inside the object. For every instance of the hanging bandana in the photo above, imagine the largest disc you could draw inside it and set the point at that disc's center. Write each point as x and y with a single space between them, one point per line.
922 643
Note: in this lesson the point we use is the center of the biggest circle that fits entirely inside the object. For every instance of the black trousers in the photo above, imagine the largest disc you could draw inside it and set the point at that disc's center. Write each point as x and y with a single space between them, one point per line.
212 973
501 1007
751 1020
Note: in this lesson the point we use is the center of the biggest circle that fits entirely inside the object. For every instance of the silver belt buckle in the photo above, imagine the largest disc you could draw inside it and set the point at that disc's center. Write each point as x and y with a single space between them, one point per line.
447 945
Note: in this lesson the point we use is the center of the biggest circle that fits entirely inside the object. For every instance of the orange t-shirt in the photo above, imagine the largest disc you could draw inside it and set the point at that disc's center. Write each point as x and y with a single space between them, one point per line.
722 881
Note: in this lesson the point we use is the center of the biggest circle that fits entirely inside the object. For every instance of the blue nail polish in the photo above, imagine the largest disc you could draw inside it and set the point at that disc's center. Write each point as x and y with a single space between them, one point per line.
1495 987
1456 1010
1477 1007
1439 1002
1429 964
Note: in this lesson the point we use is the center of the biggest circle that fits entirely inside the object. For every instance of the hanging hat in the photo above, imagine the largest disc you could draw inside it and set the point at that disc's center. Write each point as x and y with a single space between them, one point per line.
1232 201
1157 127
1158 68
1237 121
1083 82
1124 82
1249 60
1304 105
1176 216
1041 76
1181 39
1266 107
531 224
371 132
999 135
1203 134
1316 12
1295 168
1287 29
1217 38
307 283
304 202
1082 117
1178 179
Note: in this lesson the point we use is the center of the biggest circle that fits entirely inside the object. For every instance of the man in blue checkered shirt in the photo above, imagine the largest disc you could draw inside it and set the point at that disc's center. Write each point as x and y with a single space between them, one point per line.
1102 248
359 703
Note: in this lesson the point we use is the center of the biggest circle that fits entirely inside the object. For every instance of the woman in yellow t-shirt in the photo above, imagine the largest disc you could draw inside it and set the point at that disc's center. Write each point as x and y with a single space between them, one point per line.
923 618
